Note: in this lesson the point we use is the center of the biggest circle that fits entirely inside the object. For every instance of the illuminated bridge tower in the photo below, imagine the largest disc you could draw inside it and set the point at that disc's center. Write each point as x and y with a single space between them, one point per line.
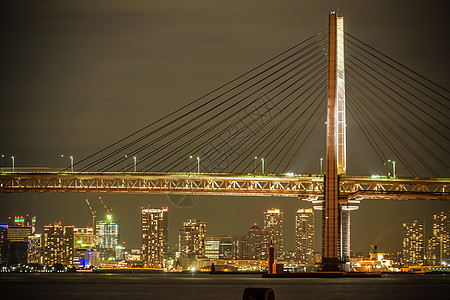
336 210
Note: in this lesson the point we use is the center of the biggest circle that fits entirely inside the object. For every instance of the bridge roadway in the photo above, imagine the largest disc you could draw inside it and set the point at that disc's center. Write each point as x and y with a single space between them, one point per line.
289 185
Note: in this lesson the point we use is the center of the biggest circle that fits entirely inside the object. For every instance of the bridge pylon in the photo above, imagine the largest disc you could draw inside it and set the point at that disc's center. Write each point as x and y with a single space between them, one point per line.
336 210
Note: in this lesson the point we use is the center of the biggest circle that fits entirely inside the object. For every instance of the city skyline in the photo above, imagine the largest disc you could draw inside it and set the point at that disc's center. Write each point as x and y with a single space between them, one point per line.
57 148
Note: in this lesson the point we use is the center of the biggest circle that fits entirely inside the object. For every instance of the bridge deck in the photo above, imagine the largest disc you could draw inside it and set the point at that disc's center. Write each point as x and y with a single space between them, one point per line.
302 186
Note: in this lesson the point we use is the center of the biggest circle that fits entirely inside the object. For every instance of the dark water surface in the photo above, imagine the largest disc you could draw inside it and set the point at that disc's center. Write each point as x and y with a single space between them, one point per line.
205 286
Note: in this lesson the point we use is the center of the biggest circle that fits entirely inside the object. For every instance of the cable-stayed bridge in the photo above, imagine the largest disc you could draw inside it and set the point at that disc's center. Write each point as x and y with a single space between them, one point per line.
248 137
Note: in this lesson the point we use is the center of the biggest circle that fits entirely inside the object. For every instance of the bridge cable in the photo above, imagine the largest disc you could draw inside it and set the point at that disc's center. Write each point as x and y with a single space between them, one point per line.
181 126
202 97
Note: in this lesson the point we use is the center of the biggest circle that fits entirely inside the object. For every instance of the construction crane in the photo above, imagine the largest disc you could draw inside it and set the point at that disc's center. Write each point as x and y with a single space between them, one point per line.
108 211
93 212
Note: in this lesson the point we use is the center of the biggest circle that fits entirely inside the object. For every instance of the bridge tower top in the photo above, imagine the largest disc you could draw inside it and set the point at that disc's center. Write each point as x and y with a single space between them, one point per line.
340 122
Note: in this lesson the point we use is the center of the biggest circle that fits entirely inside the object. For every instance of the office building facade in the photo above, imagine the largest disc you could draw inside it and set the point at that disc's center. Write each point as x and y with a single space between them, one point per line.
273 226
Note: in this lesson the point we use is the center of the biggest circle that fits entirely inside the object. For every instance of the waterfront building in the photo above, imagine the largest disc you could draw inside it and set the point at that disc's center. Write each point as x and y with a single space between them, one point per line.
154 226
413 250
107 237
58 244
85 258
304 236
192 239
273 226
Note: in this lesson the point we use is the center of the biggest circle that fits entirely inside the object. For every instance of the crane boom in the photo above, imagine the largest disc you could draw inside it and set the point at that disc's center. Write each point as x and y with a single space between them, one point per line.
93 212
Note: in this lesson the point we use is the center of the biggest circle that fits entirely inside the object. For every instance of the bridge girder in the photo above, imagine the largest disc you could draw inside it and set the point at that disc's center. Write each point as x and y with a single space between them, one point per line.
350 187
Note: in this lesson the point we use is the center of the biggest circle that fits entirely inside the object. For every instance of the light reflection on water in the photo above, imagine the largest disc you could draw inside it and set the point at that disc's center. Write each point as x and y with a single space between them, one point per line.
205 286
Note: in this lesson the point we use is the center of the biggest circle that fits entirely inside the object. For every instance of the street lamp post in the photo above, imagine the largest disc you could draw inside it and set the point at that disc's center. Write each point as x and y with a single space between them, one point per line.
1 164
71 164
393 168
125 162
13 162
254 170
198 164
135 161
190 164
321 166
262 165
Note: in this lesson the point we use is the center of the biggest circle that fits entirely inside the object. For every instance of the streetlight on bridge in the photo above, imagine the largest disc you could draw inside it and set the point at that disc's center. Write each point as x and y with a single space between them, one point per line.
254 170
393 168
13 162
198 164
262 165
71 163
135 161
190 164
321 166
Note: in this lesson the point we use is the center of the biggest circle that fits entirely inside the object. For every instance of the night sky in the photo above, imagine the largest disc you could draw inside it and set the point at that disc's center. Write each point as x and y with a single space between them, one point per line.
76 76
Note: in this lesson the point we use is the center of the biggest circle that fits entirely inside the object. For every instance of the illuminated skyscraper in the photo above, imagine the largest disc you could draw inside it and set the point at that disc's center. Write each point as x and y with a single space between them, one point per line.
107 237
273 226
17 237
413 250
192 239
304 236
21 221
58 244
83 237
154 224
34 255
255 239
438 247
18 233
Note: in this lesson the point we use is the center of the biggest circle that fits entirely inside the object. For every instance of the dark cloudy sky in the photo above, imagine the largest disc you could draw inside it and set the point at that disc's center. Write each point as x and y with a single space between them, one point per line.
76 76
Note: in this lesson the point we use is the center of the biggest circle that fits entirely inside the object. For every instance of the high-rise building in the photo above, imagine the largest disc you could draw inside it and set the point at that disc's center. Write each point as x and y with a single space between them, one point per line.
83 237
18 233
438 247
218 247
154 224
304 236
58 244
17 241
273 226
240 247
192 239
255 243
34 250
3 243
413 249
107 237
21 221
